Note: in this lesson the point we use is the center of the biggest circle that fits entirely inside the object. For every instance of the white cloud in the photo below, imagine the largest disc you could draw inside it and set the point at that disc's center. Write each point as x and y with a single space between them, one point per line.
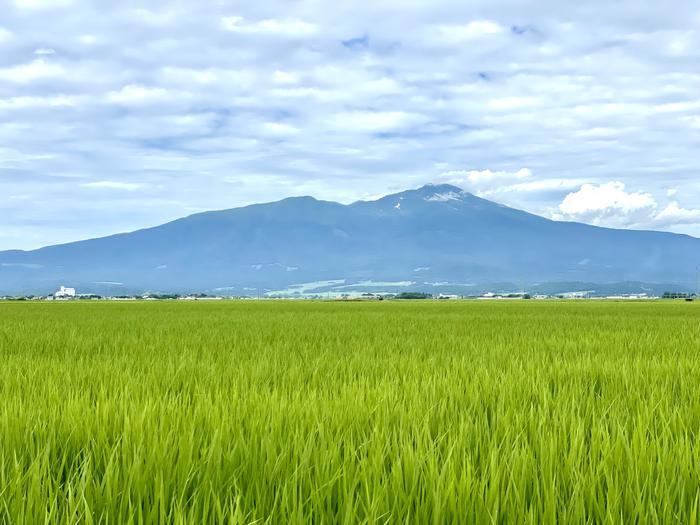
472 30
36 70
284 77
112 185
674 214
374 121
604 197
543 185
510 103
343 101
136 94
483 178
218 77
164 127
610 204
42 4
279 129
271 26
607 204
38 102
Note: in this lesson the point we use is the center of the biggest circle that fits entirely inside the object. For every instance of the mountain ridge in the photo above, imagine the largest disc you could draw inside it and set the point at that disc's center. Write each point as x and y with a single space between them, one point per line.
454 235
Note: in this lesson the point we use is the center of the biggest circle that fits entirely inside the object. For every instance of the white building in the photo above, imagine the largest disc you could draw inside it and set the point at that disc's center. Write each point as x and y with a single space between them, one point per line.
64 293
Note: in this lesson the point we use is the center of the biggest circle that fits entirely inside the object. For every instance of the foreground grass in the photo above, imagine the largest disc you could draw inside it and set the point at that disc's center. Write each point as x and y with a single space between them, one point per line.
281 412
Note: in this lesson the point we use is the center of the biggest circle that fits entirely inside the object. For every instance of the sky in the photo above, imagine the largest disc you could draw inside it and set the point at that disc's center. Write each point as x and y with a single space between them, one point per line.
120 115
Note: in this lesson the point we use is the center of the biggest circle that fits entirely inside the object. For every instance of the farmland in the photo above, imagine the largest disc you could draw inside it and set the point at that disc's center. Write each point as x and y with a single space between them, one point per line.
300 412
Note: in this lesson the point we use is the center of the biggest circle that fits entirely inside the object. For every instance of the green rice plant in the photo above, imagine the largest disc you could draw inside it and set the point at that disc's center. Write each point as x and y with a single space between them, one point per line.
331 412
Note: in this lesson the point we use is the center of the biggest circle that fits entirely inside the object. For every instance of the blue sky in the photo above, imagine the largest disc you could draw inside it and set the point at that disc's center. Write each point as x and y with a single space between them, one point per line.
116 118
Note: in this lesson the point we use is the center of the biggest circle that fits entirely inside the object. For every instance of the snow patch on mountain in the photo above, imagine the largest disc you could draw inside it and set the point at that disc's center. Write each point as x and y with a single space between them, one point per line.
445 197
369 284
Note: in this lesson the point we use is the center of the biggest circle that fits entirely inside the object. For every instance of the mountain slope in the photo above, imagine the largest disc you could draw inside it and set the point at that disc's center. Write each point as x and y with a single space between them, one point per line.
432 234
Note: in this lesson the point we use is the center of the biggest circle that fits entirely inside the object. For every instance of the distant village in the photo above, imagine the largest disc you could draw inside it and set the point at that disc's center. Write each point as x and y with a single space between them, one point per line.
65 293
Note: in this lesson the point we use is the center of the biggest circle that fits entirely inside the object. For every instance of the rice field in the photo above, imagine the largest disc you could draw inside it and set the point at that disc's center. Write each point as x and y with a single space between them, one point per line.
325 412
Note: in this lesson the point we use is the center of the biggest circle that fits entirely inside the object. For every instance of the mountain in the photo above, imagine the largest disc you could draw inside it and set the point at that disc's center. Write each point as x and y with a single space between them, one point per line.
434 236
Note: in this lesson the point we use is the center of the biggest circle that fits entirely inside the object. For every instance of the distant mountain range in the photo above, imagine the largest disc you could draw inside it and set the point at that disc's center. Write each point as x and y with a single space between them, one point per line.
437 238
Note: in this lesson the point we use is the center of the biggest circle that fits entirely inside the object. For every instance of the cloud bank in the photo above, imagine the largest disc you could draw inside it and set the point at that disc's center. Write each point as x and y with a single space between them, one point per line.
120 116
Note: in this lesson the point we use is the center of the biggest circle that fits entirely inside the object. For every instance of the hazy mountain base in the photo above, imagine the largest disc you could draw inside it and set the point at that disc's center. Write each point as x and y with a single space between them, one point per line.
314 290
321 290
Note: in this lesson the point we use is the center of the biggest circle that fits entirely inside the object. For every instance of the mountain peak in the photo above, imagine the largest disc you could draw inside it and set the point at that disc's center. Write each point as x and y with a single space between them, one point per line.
432 192
426 193
439 189
442 193
438 193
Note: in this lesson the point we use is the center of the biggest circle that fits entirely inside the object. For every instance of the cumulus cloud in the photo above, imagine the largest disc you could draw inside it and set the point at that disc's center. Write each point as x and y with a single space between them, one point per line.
673 214
601 198
611 204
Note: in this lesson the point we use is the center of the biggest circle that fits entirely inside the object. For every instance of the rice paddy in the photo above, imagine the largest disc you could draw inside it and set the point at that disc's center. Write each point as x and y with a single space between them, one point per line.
324 412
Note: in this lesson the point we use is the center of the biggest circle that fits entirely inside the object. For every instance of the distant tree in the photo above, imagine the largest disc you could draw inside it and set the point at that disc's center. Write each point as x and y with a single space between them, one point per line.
162 296
414 295
675 295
